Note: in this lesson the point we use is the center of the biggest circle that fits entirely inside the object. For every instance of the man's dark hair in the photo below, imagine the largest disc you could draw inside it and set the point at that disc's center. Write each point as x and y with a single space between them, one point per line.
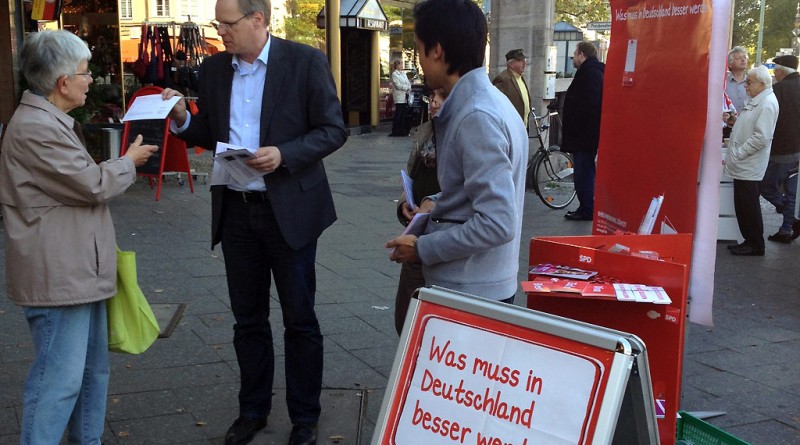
588 49
459 26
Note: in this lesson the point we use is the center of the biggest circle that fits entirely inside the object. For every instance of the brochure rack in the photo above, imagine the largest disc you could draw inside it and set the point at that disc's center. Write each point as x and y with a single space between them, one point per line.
660 326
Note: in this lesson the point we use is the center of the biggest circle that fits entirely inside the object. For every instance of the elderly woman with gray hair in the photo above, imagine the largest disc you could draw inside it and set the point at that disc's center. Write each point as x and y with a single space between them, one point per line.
60 241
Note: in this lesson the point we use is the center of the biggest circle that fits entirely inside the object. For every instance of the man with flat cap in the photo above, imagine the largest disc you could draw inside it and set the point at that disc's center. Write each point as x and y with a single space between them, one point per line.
779 185
513 85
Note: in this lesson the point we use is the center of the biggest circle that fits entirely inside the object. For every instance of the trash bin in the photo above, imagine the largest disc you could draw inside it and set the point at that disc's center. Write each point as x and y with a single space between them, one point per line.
111 140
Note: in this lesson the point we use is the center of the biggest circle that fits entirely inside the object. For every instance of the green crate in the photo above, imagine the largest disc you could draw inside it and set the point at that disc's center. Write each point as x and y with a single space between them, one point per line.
694 431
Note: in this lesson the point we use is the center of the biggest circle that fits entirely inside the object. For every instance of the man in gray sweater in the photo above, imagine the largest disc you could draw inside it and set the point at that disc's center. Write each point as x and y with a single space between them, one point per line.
472 241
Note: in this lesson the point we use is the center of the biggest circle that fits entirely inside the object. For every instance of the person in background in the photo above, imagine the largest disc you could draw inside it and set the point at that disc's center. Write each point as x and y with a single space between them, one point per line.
580 131
748 156
422 170
737 74
49 187
472 240
277 98
779 185
400 88
513 85
734 87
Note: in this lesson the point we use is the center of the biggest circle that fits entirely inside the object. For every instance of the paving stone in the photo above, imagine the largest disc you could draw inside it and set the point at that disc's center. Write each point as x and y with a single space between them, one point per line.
166 430
9 423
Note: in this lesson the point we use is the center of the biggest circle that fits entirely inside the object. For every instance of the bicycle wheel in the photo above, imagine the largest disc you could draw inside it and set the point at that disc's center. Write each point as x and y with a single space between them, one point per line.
553 179
530 178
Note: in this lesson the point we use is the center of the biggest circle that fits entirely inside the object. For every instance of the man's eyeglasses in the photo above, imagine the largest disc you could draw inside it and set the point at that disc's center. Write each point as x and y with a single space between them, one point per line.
87 73
751 81
217 24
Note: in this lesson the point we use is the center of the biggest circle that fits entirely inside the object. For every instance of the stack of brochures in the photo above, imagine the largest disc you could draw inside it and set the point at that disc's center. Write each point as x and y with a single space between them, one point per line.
551 278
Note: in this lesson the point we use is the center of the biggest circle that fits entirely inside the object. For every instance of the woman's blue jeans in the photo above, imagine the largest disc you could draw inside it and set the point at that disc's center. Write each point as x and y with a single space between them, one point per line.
68 382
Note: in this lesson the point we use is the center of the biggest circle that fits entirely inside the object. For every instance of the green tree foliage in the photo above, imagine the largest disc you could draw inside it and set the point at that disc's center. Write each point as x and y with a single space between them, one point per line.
778 24
581 12
779 18
301 22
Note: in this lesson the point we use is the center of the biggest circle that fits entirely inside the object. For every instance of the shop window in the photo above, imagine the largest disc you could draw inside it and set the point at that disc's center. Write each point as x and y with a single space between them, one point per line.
162 8
190 8
126 9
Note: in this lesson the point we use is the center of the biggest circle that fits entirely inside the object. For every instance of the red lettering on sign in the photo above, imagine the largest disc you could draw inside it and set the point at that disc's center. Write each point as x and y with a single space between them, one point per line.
438 425
450 358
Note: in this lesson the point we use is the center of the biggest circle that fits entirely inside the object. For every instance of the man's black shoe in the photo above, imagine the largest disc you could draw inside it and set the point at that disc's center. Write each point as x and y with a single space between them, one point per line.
796 229
748 251
735 246
576 216
243 430
779 237
303 434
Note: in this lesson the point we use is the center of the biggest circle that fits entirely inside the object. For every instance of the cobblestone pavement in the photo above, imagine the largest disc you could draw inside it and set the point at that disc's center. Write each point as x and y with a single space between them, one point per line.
183 390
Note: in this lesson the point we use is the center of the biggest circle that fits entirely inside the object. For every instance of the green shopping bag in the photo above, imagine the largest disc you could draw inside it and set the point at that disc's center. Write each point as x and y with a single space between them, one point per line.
132 327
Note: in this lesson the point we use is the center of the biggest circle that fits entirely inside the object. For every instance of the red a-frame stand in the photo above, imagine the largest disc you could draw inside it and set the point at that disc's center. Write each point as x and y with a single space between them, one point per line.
171 155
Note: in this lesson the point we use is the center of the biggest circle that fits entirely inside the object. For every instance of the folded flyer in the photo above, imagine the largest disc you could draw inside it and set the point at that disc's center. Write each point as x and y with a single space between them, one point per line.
562 271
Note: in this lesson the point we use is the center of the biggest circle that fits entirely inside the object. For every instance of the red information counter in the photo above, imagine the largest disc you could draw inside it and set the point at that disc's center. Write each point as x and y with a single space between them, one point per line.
660 326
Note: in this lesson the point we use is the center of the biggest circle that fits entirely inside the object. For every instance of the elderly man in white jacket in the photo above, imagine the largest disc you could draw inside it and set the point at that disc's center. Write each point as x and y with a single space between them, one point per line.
748 156
400 88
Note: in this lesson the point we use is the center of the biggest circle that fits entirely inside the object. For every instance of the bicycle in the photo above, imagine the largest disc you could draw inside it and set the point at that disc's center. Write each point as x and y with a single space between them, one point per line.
550 171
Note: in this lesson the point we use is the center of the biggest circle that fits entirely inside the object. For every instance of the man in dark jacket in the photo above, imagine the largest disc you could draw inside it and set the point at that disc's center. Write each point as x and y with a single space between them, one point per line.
779 185
580 132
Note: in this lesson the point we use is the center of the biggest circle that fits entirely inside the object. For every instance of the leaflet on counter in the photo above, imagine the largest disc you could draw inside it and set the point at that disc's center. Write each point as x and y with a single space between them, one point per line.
637 293
555 270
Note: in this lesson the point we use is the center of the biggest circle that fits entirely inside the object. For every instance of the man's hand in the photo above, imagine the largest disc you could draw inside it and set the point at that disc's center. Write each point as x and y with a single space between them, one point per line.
408 214
404 249
267 160
178 112
140 153
426 206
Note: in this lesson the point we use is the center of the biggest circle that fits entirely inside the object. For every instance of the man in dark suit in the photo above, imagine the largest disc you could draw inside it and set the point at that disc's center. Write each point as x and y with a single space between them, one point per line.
513 85
277 98
580 126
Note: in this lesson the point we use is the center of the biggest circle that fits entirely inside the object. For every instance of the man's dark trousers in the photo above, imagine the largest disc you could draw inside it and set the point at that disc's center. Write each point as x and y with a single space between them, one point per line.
253 247
779 187
583 177
400 120
747 206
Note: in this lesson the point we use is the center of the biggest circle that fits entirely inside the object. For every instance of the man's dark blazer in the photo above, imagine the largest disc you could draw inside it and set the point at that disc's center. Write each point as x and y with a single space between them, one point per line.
786 138
505 82
300 114
583 102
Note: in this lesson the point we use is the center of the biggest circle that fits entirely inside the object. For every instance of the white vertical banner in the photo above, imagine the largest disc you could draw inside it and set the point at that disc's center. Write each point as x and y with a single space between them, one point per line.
704 249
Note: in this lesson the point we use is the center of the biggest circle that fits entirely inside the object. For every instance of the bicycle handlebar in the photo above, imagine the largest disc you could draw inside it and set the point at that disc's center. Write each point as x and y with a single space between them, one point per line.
539 124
